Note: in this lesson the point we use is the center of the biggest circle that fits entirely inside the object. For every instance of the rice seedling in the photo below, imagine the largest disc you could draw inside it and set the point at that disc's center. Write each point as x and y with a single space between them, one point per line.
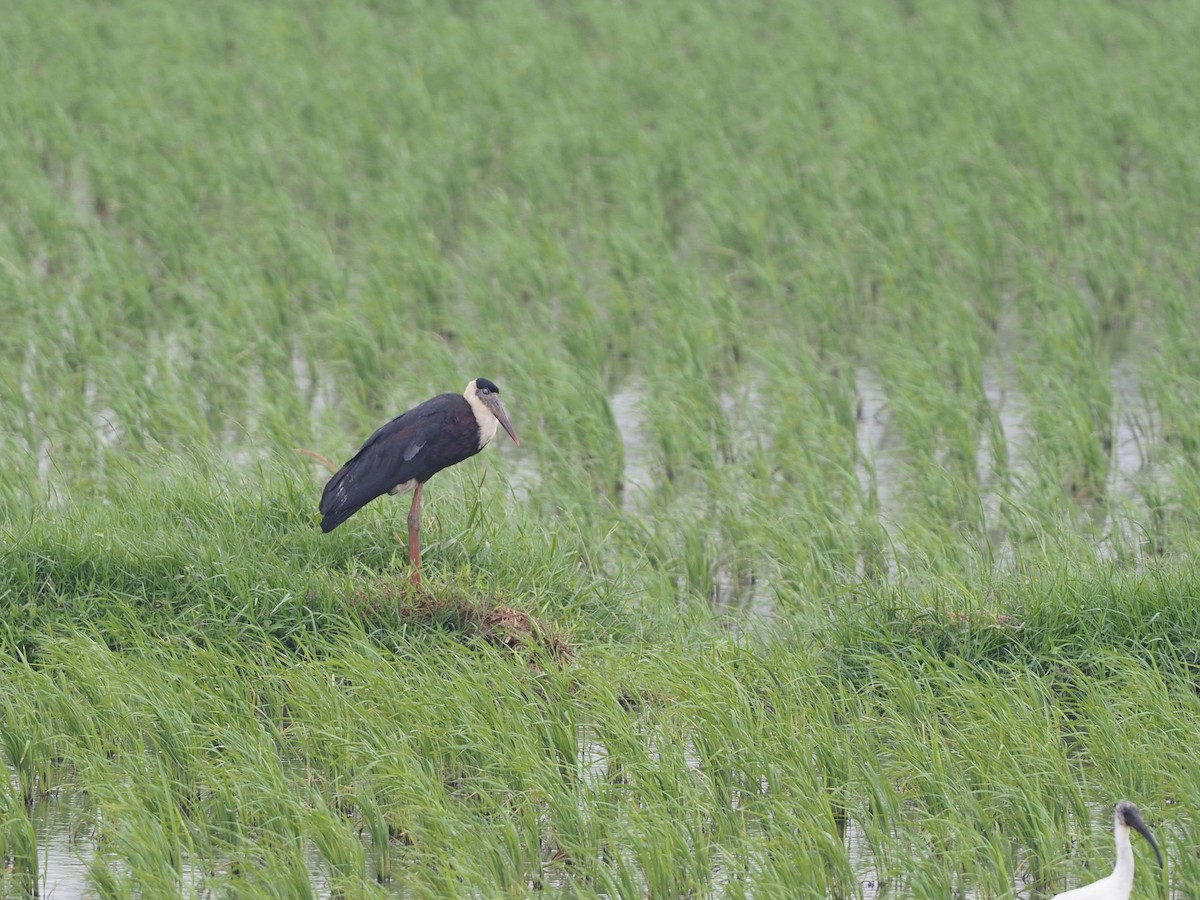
849 547
18 843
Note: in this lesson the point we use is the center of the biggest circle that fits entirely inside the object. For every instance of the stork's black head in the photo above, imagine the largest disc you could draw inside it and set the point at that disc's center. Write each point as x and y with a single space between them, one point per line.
486 387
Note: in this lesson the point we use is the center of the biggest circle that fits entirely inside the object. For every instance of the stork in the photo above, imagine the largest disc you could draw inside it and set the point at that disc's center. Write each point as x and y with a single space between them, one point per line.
1119 884
409 450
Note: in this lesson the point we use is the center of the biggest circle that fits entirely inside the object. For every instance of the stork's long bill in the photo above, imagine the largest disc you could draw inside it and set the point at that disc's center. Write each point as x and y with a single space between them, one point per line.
484 397
501 414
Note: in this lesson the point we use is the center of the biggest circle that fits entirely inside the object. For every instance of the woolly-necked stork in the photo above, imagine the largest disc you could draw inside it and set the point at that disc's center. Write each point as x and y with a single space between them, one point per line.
412 448
1119 884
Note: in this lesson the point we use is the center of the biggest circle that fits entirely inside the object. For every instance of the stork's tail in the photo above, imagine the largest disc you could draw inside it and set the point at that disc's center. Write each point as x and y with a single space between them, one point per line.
335 506
344 495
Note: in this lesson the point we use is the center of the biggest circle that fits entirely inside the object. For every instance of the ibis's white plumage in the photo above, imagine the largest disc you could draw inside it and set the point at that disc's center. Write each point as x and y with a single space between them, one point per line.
1119 884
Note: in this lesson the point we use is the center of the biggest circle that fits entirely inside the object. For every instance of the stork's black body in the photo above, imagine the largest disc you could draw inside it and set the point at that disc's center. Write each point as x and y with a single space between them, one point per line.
414 446
411 449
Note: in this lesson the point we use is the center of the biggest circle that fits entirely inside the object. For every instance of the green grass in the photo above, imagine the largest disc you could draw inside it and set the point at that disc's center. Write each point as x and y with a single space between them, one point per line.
886 309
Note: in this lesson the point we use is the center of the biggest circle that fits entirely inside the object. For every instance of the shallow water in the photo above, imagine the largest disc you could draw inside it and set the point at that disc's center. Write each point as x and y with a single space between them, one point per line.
65 856
879 445
1121 519
628 410
62 861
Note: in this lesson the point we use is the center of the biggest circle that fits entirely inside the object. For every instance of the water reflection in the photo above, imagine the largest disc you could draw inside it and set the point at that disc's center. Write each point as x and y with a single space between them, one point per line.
879 444
629 413
63 861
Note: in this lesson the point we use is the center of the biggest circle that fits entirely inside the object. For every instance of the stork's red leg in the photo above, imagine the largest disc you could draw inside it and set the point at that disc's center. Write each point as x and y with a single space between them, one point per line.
414 534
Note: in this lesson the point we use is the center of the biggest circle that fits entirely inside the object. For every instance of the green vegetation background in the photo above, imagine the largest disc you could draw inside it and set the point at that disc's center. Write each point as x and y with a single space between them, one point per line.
853 348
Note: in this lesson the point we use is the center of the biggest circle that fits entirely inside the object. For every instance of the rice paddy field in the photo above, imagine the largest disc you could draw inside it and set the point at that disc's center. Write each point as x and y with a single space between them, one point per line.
850 549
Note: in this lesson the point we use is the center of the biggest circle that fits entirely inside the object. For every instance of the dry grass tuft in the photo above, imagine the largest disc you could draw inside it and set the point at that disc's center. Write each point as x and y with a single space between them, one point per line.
496 623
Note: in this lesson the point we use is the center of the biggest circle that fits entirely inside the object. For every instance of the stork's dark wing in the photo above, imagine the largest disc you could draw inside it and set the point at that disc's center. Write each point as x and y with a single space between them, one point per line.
390 457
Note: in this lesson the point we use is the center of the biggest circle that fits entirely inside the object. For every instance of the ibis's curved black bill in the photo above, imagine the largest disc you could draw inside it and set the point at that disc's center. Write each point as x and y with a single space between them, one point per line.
1130 816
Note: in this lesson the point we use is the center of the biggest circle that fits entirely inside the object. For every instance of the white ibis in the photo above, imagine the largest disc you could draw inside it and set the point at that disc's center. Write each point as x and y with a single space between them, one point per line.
1118 885
412 448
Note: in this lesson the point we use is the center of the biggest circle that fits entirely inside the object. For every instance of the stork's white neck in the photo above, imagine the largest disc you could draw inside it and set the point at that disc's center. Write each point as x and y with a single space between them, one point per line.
483 416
